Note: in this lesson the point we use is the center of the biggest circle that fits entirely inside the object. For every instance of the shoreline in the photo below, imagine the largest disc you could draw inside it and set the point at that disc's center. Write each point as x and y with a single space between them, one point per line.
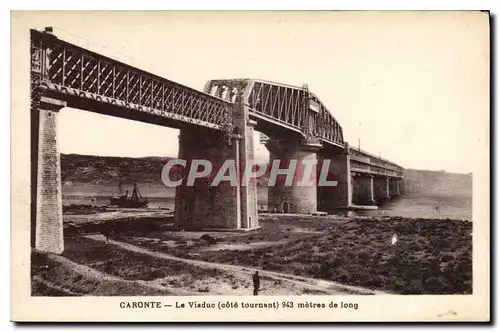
431 256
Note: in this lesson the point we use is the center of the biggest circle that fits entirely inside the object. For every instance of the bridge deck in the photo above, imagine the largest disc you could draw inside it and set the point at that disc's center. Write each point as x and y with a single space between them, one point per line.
293 107
364 162
81 76
70 70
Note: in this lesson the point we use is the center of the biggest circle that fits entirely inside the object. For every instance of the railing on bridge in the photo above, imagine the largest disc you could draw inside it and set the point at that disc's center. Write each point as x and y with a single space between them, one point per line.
68 69
285 104
326 127
364 162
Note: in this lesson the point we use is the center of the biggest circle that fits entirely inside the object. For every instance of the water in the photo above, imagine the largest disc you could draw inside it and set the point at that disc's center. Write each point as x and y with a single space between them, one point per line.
153 202
159 196
418 206
439 206
433 206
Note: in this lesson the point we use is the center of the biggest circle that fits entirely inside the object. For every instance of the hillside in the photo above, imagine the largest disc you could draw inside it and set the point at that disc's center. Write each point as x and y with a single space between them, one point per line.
108 170
437 182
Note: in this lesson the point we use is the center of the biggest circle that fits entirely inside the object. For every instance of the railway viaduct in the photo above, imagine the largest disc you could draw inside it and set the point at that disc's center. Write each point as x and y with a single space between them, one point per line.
216 124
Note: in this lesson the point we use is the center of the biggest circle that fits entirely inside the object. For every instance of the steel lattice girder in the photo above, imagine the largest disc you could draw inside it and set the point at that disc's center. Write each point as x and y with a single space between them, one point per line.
69 69
282 103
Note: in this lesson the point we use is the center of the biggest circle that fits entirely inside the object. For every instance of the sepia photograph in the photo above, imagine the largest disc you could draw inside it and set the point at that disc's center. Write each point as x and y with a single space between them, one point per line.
313 155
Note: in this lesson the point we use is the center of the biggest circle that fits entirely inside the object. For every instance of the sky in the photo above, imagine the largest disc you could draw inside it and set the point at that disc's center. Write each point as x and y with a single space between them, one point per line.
413 87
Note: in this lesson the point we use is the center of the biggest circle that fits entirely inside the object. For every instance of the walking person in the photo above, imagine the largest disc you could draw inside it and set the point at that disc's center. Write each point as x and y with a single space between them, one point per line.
106 232
256 283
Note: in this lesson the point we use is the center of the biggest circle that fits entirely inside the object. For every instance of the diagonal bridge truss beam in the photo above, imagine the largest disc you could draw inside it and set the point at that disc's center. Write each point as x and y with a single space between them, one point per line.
69 70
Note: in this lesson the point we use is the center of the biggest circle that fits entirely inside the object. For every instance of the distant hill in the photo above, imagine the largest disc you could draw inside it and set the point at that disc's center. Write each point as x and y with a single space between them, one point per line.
437 182
108 170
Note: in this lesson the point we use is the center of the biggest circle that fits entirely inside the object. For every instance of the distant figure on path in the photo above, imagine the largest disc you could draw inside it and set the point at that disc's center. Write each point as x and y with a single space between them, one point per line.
106 232
256 283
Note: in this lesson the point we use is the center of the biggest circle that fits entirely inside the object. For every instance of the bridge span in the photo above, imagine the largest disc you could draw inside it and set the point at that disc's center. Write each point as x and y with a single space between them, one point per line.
215 124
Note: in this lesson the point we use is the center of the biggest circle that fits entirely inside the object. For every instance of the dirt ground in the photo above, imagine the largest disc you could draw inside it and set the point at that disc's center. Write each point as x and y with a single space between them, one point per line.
430 256
92 267
75 218
297 254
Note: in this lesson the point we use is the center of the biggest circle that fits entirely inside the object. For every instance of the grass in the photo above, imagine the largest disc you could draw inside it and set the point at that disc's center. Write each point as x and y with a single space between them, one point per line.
47 271
430 257
122 268
115 261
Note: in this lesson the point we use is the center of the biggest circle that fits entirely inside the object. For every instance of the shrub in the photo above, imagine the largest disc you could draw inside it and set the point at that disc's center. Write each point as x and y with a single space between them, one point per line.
205 289
307 245
447 258
326 270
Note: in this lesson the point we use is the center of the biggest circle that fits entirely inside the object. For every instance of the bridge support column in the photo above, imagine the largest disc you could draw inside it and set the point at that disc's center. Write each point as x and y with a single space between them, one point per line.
382 190
394 187
46 191
332 197
363 189
299 196
228 204
246 146
401 188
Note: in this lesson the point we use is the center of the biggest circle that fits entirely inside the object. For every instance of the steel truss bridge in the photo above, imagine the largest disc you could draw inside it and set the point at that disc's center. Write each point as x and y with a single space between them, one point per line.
80 77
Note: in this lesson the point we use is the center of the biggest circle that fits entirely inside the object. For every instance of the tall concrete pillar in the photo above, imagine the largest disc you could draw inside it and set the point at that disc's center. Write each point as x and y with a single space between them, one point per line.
381 188
227 205
363 189
340 195
300 195
248 190
394 187
388 185
48 216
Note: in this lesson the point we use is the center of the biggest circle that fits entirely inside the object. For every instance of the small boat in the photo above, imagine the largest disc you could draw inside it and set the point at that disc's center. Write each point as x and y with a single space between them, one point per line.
134 201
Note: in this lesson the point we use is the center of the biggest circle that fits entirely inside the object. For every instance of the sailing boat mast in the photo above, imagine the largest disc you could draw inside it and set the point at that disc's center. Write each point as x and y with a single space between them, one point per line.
136 195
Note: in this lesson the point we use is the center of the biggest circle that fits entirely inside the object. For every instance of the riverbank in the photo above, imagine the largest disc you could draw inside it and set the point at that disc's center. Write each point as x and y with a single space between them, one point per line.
430 256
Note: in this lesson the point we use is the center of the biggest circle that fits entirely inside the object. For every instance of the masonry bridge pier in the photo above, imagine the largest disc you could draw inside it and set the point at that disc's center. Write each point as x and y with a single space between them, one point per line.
216 124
